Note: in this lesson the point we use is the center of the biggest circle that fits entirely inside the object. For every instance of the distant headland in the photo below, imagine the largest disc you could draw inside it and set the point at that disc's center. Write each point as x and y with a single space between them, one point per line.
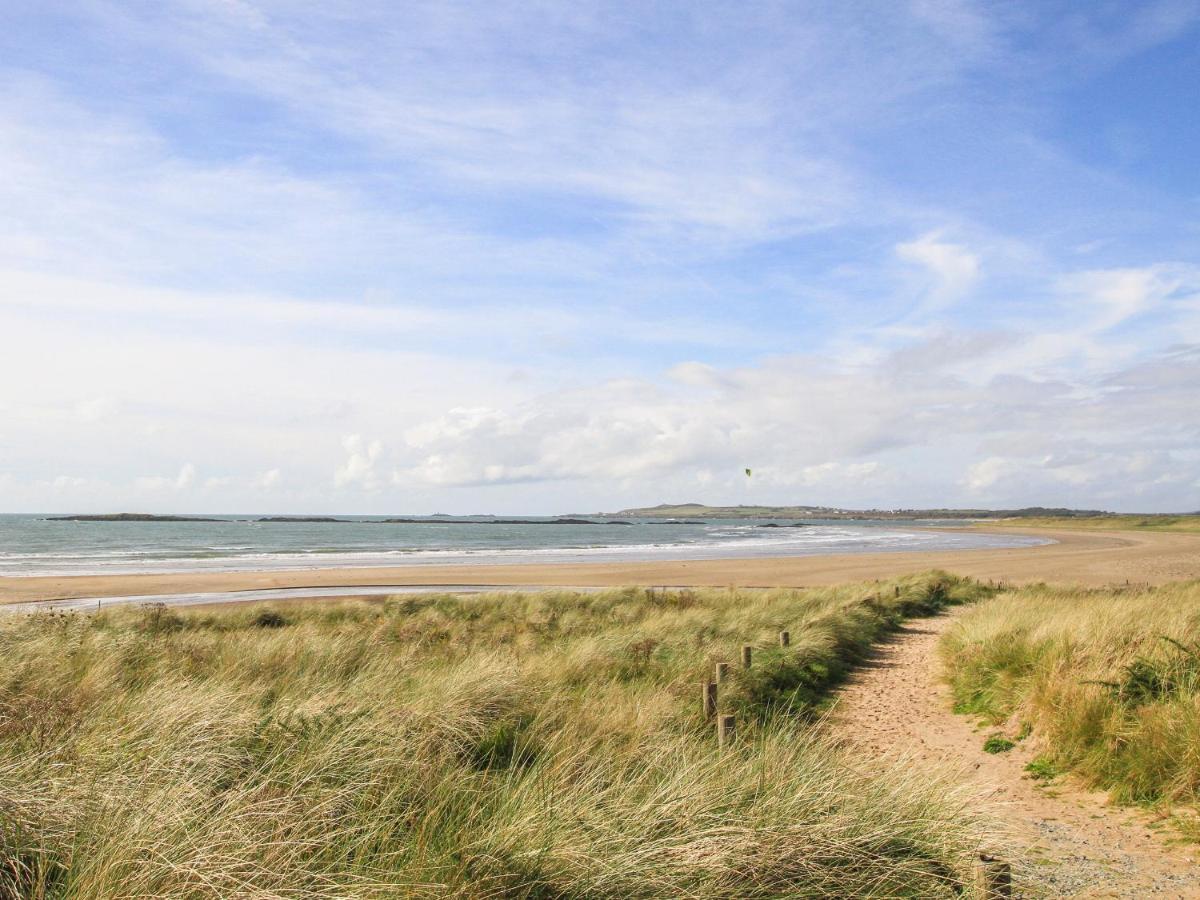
699 513
703 511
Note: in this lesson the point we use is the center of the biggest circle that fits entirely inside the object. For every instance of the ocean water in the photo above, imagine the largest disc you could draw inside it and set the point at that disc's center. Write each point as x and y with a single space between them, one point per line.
36 545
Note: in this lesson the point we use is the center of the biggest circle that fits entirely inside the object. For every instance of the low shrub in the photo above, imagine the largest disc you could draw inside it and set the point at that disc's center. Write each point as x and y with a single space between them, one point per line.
269 618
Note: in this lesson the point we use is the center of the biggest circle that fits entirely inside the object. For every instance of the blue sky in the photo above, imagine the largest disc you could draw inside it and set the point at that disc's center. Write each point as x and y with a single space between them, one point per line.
543 257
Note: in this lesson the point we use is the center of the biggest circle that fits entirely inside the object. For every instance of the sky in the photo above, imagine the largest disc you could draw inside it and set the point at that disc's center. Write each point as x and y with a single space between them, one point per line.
547 257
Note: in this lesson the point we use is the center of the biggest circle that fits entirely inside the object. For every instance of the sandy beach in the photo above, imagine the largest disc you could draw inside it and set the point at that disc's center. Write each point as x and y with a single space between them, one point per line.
1090 558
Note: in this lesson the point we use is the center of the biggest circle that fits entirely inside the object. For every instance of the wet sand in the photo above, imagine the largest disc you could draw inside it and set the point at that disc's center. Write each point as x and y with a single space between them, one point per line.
1082 557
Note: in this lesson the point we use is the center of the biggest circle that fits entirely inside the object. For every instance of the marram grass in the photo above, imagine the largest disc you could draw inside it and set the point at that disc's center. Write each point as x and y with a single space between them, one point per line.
1108 679
1189 523
511 745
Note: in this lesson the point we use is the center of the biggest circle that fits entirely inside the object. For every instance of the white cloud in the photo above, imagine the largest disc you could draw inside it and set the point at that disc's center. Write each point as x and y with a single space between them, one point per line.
954 268
714 129
1110 297
857 423
815 424
620 138
154 484
359 466
1092 474
95 409
269 479
987 472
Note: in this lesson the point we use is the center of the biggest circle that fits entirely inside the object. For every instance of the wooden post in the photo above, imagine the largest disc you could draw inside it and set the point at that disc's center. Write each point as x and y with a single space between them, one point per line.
722 671
897 590
725 731
785 638
747 654
709 699
993 878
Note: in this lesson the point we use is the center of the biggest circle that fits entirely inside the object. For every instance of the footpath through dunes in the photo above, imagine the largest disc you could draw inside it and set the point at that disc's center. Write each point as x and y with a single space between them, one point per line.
1075 844
1080 557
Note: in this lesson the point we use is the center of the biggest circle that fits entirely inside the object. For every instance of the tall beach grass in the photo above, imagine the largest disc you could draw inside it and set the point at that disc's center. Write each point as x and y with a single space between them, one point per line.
1108 679
509 745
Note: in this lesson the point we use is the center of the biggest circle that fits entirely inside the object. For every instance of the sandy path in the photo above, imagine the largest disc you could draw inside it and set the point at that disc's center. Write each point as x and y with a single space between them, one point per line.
1085 557
1075 845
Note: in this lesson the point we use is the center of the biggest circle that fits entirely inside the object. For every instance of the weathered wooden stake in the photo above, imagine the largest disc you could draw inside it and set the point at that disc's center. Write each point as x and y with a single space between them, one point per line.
993 878
709 699
897 590
747 654
785 638
722 671
725 731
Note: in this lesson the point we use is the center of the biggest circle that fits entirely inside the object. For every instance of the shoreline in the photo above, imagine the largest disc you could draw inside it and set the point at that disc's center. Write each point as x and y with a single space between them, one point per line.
1083 557
215 555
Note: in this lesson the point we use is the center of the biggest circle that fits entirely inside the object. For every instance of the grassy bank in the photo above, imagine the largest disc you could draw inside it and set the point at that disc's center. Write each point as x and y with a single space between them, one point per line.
1109 680
1184 523
538 745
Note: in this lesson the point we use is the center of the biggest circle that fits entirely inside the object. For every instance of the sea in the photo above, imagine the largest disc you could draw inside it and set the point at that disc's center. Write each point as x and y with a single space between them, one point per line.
40 545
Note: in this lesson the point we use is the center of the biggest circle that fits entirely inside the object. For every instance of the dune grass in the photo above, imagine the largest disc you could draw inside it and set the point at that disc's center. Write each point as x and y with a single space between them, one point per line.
1108 679
510 745
1189 523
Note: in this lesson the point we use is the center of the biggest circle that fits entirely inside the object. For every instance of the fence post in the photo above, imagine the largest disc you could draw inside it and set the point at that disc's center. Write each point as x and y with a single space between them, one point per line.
709 699
722 671
897 590
993 878
725 731
747 654
785 638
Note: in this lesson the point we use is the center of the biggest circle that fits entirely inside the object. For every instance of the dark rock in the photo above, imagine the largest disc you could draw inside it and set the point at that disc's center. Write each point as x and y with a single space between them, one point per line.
129 517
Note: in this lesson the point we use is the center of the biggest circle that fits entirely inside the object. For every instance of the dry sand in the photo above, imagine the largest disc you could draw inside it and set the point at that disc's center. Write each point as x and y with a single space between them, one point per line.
1084 557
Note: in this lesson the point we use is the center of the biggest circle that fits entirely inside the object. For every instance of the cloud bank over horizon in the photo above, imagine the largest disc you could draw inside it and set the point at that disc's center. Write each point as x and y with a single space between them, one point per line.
462 257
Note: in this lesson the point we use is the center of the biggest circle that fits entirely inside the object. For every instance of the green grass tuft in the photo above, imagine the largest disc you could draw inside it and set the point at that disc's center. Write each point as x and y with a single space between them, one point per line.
997 743
1042 769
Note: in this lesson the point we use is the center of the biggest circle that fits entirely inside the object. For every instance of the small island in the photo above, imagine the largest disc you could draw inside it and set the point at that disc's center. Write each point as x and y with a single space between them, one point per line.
130 517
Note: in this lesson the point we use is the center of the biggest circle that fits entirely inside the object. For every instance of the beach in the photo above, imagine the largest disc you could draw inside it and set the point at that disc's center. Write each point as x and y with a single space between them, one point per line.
1078 557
